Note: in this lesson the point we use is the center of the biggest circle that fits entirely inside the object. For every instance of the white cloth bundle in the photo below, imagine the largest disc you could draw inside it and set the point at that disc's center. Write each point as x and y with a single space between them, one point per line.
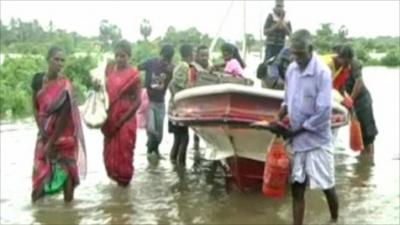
97 103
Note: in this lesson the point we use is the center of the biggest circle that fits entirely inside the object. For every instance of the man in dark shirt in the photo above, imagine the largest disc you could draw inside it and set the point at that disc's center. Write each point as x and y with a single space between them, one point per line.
158 75
276 29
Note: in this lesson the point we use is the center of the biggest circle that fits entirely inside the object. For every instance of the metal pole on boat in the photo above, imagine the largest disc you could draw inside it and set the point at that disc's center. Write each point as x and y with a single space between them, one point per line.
244 31
261 33
214 42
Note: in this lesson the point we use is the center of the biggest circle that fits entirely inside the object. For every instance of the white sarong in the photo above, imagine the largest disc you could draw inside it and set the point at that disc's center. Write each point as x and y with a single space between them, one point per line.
316 167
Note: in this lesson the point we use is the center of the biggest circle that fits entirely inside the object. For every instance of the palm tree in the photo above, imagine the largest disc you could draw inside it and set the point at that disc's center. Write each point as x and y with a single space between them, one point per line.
145 29
342 33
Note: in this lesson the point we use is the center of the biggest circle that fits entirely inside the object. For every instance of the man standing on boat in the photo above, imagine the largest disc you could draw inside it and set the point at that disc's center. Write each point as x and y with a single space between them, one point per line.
276 29
307 102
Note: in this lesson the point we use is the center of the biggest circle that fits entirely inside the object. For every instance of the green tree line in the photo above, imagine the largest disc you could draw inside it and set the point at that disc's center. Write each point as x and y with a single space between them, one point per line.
24 45
31 40
326 37
17 74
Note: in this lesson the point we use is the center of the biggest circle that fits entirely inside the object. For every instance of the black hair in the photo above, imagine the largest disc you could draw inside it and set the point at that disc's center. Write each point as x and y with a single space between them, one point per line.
233 50
302 38
346 51
167 51
336 48
186 50
201 47
124 46
37 82
52 51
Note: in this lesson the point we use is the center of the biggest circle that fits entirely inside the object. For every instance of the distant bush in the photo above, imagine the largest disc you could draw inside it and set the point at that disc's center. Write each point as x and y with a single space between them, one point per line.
373 62
17 74
15 84
78 71
362 54
142 51
392 58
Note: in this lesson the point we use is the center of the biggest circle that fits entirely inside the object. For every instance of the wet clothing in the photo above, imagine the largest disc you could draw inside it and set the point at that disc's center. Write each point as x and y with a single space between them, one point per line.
309 104
155 125
362 105
276 39
119 142
158 77
50 97
180 81
316 167
177 129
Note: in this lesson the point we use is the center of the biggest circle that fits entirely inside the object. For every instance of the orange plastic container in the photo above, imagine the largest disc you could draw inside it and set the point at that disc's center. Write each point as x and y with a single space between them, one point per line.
276 170
356 141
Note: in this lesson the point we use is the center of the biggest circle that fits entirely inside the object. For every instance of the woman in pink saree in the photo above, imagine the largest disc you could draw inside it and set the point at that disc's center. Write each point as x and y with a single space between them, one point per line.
123 88
60 155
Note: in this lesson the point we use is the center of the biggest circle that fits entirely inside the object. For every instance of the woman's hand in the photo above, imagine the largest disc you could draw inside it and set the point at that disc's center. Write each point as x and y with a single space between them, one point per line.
347 101
281 24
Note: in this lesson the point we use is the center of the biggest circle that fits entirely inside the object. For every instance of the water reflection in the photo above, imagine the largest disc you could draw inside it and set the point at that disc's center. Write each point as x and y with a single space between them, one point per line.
56 213
363 170
118 206
153 162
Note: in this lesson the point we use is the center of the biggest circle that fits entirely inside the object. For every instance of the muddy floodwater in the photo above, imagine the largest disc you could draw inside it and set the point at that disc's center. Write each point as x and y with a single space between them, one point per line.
162 194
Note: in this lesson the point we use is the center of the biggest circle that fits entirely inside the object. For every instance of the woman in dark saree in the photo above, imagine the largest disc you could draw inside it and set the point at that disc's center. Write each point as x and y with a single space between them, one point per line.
360 95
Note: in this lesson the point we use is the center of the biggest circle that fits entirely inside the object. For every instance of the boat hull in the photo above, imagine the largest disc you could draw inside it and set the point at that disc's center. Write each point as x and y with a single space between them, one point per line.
221 115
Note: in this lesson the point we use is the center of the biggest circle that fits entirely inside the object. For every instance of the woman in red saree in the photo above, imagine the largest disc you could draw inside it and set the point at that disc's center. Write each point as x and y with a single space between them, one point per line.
123 88
60 144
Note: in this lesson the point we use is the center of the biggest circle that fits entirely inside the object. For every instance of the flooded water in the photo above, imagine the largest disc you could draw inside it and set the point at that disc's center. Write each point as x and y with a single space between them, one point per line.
161 194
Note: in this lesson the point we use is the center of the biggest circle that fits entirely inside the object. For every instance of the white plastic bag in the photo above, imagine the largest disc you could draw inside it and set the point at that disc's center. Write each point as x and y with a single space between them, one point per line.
95 110
96 105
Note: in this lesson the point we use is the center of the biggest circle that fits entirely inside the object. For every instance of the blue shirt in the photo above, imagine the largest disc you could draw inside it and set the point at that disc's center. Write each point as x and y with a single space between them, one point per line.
309 103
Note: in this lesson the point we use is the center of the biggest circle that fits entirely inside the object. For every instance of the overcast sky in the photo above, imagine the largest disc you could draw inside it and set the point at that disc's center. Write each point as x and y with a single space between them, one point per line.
362 18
